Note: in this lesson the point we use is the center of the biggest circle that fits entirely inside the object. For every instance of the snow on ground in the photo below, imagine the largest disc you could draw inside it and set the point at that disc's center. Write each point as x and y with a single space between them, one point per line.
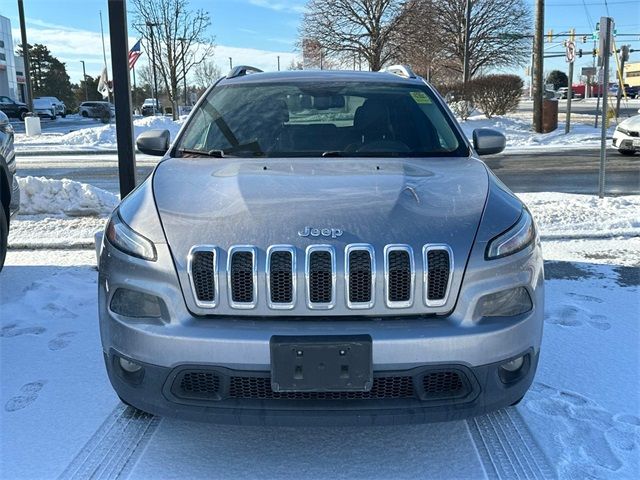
56 404
520 137
94 138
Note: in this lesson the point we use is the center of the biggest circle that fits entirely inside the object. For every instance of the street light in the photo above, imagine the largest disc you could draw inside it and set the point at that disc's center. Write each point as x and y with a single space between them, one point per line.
184 69
153 65
84 78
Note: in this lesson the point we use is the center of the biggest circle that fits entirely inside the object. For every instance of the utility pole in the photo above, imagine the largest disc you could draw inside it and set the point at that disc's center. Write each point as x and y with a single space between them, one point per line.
122 95
606 31
230 63
538 66
467 28
278 62
104 54
25 56
153 65
84 79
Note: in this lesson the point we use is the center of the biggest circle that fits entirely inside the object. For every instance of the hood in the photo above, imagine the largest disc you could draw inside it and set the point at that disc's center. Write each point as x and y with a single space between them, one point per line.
235 201
632 123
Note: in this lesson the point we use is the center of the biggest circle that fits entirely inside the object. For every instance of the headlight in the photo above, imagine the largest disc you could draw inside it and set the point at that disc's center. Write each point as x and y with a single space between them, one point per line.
517 238
121 236
623 130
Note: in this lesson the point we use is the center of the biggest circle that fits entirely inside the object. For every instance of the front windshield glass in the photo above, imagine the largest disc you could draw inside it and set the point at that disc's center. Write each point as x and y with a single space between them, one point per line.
310 118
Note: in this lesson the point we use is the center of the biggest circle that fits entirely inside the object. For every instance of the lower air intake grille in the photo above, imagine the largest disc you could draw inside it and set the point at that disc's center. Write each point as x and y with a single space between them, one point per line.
260 388
438 277
281 277
200 382
241 273
320 277
359 276
202 271
443 384
399 276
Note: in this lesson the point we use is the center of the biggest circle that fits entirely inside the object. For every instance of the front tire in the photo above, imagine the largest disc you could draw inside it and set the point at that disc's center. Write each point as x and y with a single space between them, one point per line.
4 233
23 114
84 114
627 152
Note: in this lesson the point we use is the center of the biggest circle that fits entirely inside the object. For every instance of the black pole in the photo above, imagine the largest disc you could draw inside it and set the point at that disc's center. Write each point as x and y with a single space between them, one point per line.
538 67
122 95
25 55
84 79
184 73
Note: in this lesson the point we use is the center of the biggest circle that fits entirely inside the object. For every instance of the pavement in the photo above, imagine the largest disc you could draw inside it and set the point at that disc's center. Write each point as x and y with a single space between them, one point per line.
567 171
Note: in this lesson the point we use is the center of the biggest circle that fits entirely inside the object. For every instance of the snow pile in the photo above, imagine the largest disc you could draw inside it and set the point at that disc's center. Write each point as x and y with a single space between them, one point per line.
572 215
97 138
39 195
520 137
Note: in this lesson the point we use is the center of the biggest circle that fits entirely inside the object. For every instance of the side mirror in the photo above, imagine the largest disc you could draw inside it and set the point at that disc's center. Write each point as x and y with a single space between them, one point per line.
153 142
488 142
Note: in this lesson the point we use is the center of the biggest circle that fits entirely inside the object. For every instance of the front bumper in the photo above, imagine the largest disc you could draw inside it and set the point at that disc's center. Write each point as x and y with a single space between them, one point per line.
418 395
622 141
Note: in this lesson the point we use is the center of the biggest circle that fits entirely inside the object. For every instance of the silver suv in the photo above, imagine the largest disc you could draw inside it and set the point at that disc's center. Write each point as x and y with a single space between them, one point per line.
321 248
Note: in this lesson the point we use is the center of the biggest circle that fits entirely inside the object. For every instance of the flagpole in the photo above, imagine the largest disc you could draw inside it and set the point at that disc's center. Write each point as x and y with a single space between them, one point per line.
104 54
134 84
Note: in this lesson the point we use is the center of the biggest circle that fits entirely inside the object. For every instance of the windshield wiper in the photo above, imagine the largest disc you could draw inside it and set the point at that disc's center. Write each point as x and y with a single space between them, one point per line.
333 153
209 153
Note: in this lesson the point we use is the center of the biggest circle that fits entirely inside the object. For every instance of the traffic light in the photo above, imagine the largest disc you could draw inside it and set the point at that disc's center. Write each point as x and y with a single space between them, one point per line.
572 35
550 36
584 39
579 53
594 52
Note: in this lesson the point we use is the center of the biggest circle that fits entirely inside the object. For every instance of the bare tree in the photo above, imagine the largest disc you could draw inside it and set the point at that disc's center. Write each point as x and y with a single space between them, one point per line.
180 38
498 37
205 73
346 29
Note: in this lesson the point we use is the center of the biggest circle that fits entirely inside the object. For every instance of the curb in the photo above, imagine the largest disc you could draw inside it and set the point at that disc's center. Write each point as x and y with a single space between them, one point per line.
50 153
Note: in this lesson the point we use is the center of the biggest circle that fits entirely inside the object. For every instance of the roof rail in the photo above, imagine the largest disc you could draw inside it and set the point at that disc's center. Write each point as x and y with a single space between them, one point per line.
242 70
400 70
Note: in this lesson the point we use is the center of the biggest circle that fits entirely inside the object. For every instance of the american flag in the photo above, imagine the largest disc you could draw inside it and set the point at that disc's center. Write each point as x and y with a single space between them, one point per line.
134 53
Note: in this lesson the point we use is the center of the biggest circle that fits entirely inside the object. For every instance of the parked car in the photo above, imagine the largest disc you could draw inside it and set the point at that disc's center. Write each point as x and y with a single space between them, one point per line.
626 137
9 189
14 109
44 108
563 92
60 108
96 109
321 247
148 109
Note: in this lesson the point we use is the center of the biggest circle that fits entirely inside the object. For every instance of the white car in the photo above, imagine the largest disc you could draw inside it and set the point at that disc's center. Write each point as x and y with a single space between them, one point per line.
61 109
44 108
626 137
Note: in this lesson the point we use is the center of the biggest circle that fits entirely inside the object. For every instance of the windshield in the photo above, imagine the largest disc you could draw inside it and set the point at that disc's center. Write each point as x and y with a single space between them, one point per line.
311 118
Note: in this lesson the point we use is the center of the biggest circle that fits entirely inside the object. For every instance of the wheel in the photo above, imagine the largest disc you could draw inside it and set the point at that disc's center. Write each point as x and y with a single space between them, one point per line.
4 233
23 114
63 115
85 114
52 117
626 152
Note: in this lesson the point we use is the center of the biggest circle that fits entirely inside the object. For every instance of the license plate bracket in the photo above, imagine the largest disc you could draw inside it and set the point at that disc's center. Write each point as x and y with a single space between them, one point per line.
321 363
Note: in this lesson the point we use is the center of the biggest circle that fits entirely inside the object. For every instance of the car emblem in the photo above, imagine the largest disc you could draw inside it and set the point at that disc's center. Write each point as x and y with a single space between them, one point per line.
320 232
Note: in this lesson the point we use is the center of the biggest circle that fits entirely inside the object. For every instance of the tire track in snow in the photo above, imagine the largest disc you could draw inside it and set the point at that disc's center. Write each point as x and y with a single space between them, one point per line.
115 447
506 447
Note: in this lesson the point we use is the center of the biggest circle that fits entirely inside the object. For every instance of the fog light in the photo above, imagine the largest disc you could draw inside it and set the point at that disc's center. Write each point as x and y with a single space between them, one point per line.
506 303
128 366
131 303
514 365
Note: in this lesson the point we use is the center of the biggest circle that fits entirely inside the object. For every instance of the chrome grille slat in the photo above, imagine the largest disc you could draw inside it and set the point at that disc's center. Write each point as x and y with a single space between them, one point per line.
321 277
438 273
281 277
202 269
360 275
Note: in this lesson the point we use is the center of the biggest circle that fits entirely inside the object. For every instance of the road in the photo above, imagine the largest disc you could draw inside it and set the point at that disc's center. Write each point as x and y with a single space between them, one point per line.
588 107
563 171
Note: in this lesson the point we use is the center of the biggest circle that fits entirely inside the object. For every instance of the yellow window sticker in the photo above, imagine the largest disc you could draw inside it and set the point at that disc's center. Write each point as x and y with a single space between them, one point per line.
421 98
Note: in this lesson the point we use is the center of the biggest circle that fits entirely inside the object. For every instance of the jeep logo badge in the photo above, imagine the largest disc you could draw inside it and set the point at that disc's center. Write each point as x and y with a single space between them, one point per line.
320 232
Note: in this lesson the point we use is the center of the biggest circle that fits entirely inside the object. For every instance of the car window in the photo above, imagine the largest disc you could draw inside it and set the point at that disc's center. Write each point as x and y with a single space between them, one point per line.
310 118
5 100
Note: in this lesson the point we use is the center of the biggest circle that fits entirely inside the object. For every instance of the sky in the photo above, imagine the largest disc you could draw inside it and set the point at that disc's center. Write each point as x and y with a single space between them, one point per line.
256 32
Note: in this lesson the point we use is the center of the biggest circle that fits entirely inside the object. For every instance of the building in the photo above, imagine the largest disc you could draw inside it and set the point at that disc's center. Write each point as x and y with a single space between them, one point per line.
632 74
13 83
